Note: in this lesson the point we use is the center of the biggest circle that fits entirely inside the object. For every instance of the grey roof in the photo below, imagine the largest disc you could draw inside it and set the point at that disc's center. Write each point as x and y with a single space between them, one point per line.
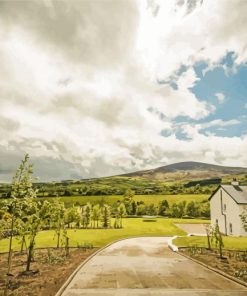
238 193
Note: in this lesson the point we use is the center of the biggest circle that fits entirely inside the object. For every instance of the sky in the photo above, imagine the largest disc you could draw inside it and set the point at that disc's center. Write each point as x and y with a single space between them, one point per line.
102 87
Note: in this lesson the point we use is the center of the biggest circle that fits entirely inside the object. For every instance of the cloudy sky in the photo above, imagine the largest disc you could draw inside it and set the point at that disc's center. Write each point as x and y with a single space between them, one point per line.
101 87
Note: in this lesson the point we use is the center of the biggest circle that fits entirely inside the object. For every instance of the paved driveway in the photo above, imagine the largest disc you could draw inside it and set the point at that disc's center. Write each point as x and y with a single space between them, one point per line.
197 229
146 266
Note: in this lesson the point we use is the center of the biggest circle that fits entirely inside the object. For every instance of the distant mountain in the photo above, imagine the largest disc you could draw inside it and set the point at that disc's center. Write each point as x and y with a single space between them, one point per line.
187 171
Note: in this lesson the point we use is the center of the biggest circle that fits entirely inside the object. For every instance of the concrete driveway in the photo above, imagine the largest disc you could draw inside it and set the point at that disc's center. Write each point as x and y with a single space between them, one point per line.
146 266
196 229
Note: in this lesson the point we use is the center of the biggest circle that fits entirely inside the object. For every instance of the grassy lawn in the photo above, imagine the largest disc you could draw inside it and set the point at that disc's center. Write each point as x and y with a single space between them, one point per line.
147 199
100 237
236 243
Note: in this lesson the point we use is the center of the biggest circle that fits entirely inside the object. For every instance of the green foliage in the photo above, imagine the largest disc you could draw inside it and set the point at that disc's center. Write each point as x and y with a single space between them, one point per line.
86 215
121 212
129 194
209 232
24 207
96 215
192 209
106 216
151 210
53 257
243 217
57 218
217 239
163 207
72 216
141 210
178 209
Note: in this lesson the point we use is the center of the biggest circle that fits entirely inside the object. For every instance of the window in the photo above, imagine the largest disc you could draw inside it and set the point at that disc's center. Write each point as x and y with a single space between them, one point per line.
230 226
224 207
216 221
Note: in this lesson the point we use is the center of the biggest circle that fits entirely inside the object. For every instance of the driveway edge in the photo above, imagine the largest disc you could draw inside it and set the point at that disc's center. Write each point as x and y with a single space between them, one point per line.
216 270
173 247
70 278
211 268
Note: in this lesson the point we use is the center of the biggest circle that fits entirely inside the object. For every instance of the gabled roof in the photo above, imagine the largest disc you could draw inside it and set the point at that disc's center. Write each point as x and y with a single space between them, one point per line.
237 193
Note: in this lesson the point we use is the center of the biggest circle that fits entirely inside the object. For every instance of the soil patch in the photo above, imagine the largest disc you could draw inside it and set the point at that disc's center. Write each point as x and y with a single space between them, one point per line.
49 271
234 262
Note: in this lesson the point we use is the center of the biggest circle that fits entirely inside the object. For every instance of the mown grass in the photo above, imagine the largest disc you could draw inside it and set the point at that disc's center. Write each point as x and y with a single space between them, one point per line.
100 237
111 199
235 243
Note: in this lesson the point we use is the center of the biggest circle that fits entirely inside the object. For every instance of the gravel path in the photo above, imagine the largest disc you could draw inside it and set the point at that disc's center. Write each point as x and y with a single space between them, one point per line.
145 266
193 228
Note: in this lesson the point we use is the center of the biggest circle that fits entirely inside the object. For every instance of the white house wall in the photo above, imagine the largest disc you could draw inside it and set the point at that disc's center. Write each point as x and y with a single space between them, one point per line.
232 212
215 209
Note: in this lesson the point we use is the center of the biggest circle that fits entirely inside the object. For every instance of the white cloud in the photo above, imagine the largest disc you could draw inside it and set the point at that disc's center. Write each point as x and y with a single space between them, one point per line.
219 123
176 37
220 97
78 81
192 131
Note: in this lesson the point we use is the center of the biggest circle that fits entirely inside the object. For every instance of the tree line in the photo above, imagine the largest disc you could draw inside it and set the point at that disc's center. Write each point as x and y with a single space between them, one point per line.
181 209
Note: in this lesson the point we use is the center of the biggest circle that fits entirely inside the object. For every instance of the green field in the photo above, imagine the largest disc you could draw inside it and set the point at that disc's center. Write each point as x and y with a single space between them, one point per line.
237 243
111 199
100 237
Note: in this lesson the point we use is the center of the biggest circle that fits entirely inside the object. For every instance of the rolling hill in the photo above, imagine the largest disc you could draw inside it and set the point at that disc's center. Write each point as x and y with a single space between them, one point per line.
189 170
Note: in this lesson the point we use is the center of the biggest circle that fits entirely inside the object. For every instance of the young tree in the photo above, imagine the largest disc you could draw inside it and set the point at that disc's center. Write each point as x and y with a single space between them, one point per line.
72 215
46 214
31 226
192 209
174 211
96 214
204 210
209 232
117 218
5 225
178 209
122 212
57 218
133 208
25 207
182 207
86 215
163 207
141 210
152 210
106 216
217 238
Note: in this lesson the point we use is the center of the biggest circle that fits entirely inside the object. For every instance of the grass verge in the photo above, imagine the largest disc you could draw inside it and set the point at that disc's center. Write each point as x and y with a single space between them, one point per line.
230 243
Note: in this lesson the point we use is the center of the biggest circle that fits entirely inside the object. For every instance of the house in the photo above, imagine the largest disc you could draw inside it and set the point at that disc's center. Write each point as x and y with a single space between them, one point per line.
227 203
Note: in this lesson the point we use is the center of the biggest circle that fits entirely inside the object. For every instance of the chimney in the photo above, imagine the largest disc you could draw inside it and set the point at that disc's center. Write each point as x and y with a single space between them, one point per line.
235 182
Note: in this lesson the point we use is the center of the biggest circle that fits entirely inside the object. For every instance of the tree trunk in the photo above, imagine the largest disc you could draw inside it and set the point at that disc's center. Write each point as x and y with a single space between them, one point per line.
10 244
220 245
209 244
30 254
58 239
23 241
